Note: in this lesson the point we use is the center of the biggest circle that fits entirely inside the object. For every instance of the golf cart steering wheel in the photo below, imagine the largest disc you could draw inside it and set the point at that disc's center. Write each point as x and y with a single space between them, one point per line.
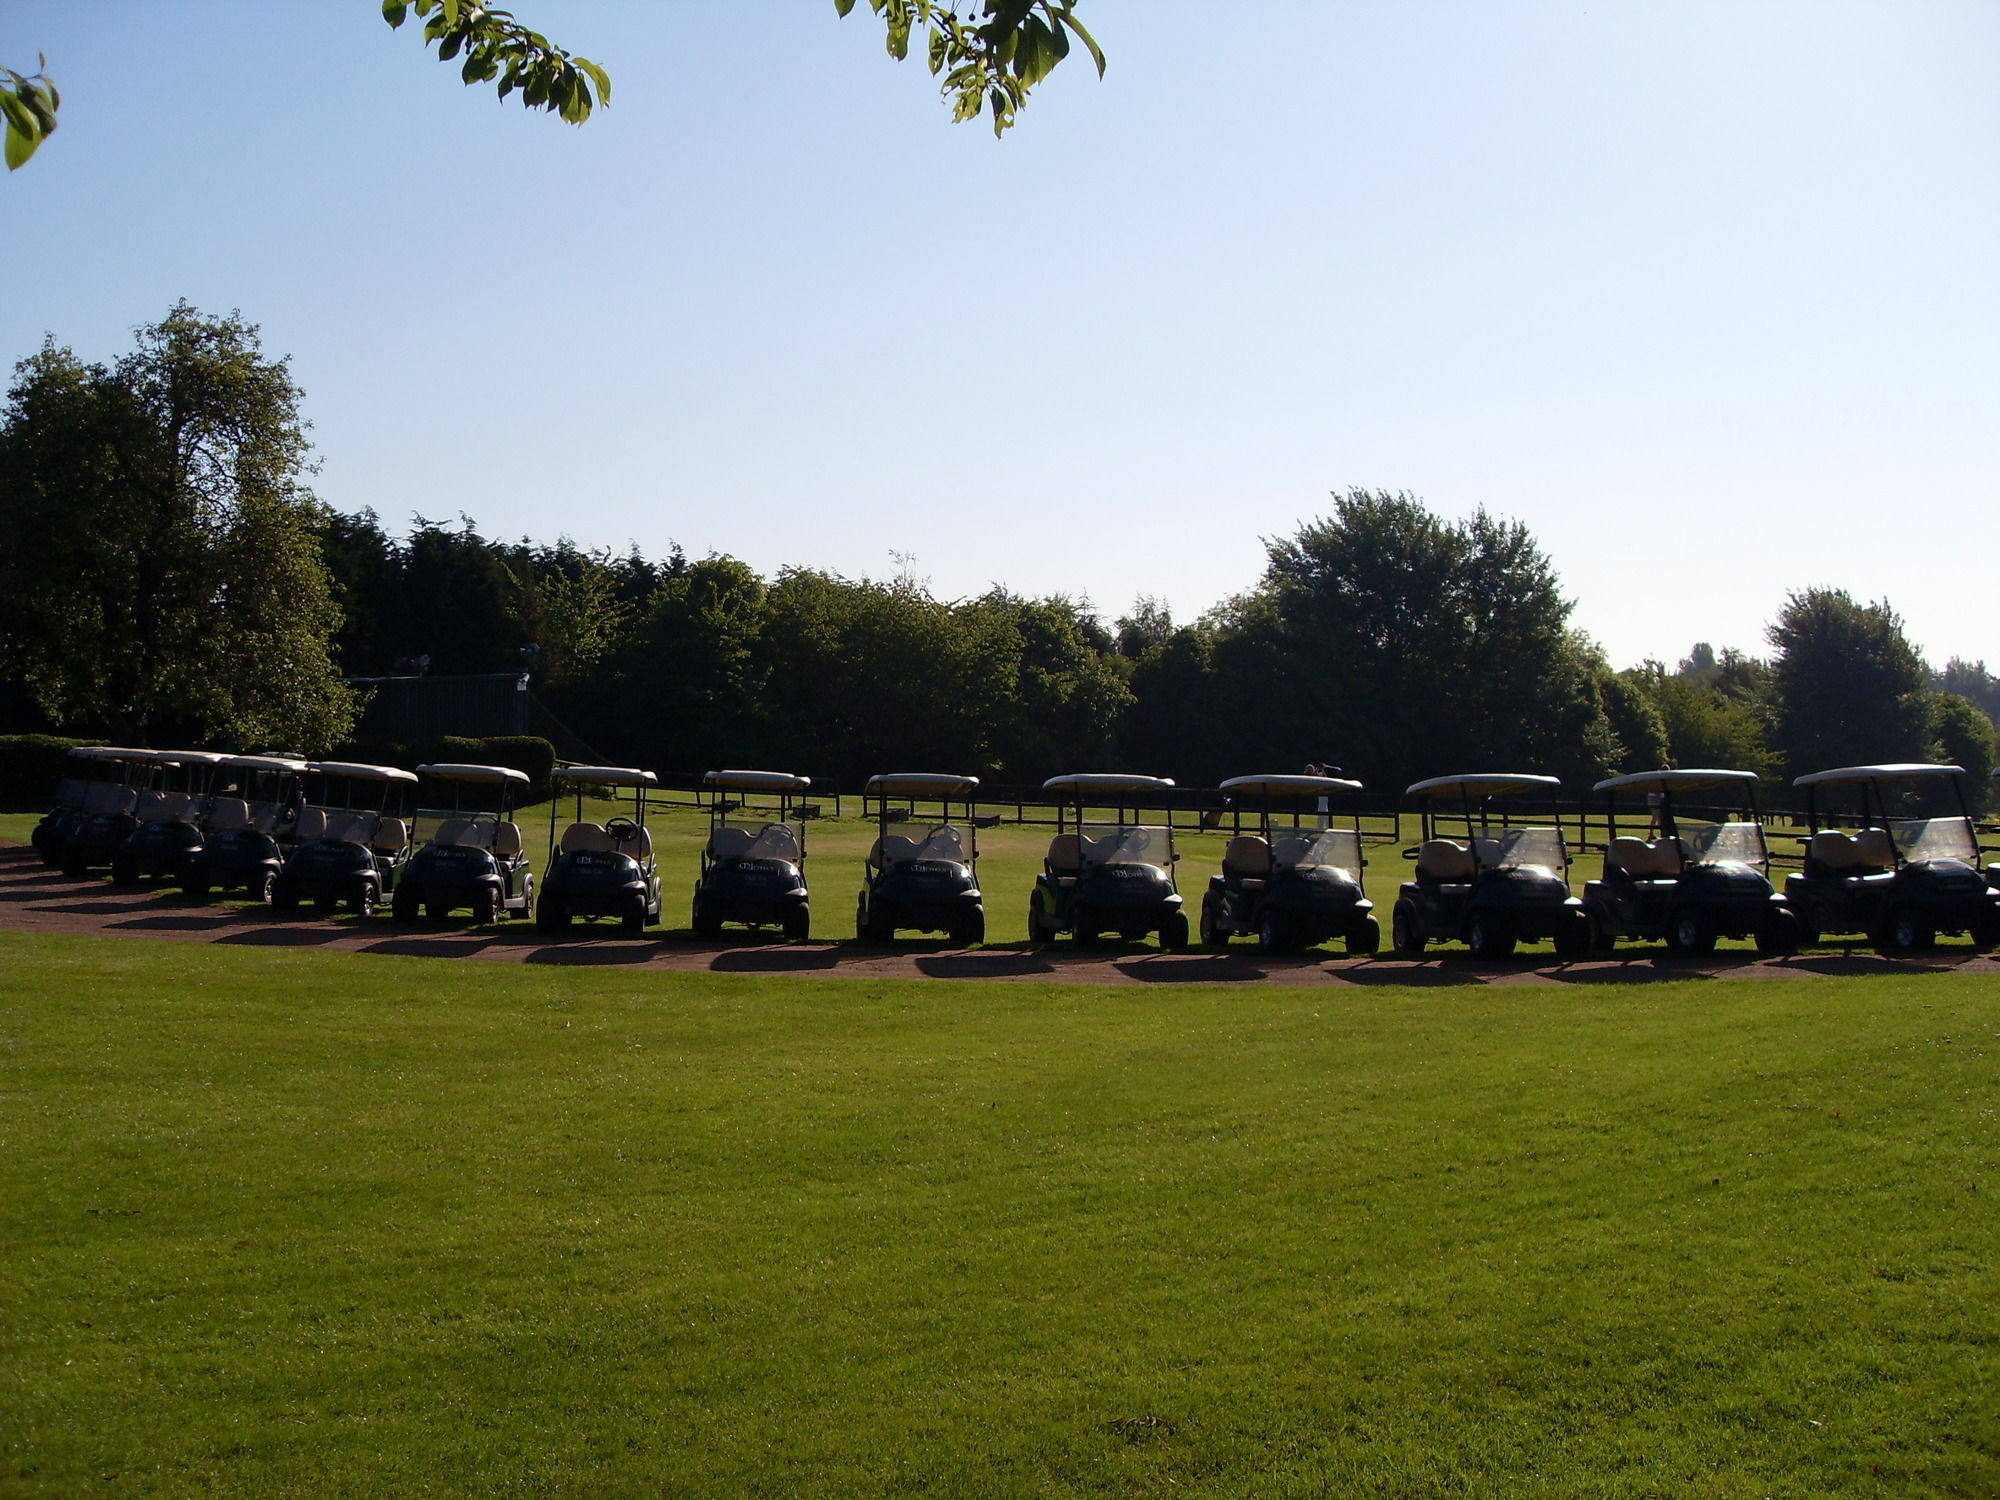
621 830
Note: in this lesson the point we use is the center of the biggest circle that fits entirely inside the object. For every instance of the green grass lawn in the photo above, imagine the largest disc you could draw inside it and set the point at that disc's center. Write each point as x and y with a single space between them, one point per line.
297 1223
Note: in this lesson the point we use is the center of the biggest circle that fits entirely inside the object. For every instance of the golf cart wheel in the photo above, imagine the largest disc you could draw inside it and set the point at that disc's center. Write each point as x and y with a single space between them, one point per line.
633 922
1037 933
1908 932
1573 938
403 906
1779 934
1083 928
1602 938
362 900
1812 925
124 869
798 923
75 866
194 884
1174 932
1984 931
284 895
1690 932
1274 933
1212 935
551 915
1403 934
1365 936
485 906
707 923
1490 936
971 928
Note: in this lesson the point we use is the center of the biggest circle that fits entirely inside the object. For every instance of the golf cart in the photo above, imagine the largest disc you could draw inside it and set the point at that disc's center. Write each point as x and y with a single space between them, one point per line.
95 838
1686 878
473 857
241 834
352 841
1116 875
1897 880
753 866
169 818
600 869
1490 873
928 881
1292 883
94 783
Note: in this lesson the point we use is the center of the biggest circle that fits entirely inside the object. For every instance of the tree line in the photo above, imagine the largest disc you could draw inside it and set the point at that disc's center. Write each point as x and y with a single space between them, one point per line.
168 575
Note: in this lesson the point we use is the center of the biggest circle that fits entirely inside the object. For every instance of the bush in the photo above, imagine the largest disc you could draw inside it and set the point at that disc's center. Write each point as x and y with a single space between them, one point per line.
527 753
30 767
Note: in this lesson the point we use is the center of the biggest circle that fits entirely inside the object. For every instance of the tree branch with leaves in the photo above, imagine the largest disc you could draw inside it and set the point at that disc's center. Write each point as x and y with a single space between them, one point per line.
498 47
29 105
990 56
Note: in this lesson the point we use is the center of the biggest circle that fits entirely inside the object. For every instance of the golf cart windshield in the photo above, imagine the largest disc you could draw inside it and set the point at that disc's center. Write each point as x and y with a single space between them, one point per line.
744 840
1521 848
947 841
1316 848
1920 840
1719 843
1111 844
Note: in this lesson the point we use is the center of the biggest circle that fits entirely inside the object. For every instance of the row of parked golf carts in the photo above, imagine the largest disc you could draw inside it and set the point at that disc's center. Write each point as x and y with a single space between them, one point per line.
1890 854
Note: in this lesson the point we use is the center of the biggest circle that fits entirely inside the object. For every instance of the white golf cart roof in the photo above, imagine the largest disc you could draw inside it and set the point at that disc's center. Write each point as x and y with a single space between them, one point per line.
264 763
1482 784
605 776
188 757
106 752
1288 786
1673 781
453 771
1106 781
1850 774
921 784
756 781
358 771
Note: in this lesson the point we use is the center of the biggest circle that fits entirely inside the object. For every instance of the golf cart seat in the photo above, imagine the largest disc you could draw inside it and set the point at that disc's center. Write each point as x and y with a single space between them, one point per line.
162 807
1855 854
1641 860
507 841
779 842
109 797
945 844
228 813
352 827
729 843
391 836
892 849
587 838
1065 858
1444 861
467 833
639 846
311 824
1247 859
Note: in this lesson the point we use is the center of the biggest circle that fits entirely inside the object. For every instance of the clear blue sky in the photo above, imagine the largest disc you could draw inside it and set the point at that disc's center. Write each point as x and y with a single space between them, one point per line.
1708 294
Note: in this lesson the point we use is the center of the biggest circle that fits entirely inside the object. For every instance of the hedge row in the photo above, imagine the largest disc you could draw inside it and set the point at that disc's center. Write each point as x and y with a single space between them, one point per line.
30 767
31 764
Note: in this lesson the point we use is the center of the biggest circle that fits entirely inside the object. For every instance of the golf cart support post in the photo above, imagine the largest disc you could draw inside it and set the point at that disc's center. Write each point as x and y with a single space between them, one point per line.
1507 882
753 866
928 883
1694 879
1116 876
1289 882
600 869
352 843
1898 881
473 857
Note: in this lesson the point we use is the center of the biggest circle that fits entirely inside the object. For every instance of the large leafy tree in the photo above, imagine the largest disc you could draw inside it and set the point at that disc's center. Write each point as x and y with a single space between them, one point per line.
1848 687
162 574
1401 644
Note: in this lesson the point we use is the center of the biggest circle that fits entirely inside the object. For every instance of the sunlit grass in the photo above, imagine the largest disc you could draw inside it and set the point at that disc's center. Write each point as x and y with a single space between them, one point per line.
309 1223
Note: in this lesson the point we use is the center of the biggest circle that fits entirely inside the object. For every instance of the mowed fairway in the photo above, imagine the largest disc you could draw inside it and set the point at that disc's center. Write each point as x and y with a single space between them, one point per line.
295 1223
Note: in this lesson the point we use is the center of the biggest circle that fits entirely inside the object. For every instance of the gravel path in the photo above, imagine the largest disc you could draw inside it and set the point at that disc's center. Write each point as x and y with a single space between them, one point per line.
36 899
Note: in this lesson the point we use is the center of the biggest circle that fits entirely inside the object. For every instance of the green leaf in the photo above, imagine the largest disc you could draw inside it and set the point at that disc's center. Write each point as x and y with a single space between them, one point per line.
19 116
450 11
599 77
19 147
843 6
451 45
1089 42
395 12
